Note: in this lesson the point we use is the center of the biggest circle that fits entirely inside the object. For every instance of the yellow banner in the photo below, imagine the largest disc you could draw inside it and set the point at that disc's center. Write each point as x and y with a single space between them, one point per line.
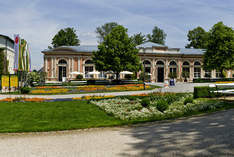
5 81
14 81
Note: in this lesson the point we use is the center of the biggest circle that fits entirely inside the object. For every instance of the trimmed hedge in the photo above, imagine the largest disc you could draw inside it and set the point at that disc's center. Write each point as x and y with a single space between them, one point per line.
207 80
203 92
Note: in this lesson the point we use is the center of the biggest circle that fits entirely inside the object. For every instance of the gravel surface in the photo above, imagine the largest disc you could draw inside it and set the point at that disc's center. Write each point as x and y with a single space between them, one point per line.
211 135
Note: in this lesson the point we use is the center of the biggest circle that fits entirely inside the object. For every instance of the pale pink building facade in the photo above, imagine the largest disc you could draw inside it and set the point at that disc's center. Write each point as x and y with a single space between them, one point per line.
159 61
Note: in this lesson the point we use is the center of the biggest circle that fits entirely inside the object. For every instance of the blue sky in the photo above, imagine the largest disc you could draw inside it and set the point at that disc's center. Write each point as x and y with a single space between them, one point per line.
38 21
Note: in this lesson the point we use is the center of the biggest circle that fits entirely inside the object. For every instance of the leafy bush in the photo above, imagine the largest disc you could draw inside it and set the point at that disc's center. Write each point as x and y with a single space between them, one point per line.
162 105
202 92
79 77
128 76
25 90
145 102
188 100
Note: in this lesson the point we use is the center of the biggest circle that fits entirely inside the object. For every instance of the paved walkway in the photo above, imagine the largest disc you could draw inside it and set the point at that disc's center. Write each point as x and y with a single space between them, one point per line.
211 136
179 88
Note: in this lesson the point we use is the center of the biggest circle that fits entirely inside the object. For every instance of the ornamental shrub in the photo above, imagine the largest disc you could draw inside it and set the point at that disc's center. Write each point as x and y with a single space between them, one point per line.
202 92
25 90
162 105
145 102
79 77
188 100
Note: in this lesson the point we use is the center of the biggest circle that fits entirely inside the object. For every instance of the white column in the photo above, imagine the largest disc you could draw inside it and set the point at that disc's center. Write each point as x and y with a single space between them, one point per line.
45 68
52 67
78 64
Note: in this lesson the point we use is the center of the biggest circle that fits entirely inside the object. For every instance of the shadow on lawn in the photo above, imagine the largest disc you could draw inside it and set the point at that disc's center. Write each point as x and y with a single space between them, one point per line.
210 135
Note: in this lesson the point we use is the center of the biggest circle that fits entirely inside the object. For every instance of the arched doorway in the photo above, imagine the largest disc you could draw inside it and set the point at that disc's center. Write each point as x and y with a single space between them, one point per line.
62 66
89 67
160 70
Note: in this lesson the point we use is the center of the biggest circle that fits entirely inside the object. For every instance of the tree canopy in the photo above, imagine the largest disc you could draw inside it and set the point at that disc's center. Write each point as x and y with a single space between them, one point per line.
220 49
138 38
157 36
65 37
198 38
117 53
105 29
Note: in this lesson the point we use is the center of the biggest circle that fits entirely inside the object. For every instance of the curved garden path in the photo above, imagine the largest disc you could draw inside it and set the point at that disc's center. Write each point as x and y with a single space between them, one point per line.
179 88
210 135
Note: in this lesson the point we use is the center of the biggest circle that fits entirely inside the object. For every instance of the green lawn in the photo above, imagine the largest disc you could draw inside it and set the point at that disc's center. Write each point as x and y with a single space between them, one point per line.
48 116
66 115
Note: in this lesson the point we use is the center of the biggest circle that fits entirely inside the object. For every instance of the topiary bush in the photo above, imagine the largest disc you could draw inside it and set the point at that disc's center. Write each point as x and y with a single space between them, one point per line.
25 90
79 77
162 105
145 102
202 92
188 100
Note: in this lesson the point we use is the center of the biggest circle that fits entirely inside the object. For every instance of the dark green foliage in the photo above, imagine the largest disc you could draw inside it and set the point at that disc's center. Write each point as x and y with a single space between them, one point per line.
157 36
220 50
204 80
198 38
162 105
117 53
138 38
25 90
146 77
128 76
145 102
172 75
105 29
65 37
188 100
202 92
79 77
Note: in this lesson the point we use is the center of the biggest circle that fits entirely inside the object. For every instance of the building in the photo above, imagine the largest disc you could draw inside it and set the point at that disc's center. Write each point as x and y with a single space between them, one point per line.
158 60
8 44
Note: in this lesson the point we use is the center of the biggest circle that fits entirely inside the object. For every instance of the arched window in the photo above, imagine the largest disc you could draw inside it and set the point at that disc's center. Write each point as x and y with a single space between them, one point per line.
89 67
146 62
185 70
197 69
147 66
173 63
159 63
173 69
62 61
89 62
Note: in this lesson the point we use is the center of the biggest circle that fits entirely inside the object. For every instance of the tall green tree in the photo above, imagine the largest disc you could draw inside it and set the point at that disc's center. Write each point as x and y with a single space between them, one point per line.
65 37
138 38
105 29
198 38
220 49
117 53
157 36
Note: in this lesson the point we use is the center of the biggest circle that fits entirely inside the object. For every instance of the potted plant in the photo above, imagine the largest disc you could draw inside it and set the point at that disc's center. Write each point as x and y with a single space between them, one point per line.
185 75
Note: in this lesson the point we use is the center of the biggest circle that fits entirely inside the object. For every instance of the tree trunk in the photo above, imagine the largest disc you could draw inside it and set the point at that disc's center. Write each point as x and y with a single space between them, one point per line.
117 78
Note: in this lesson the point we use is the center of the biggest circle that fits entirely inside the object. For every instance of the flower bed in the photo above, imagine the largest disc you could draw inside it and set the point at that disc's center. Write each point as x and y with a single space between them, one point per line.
177 105
87 88
23 100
